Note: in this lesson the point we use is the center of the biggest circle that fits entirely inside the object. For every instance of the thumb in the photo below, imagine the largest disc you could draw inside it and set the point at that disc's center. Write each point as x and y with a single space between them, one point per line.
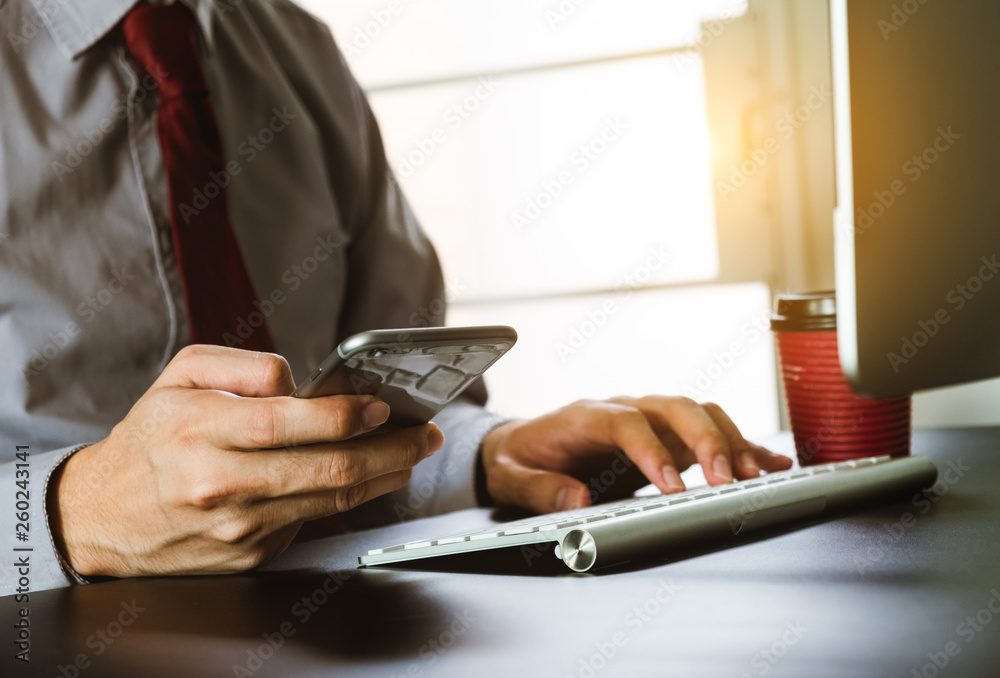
537 490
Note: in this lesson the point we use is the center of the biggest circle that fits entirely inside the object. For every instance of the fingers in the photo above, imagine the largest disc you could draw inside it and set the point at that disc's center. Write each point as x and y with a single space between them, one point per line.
536 490
287 510
232 422
697 430
245 373
320 468
769 461
748 459
628 429
709 434
742 459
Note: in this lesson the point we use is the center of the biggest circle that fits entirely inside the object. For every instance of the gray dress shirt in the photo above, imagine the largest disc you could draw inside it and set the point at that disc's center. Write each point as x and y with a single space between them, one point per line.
91 303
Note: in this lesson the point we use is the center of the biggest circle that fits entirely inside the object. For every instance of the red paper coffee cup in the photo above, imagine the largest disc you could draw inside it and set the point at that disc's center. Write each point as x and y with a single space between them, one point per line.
829 422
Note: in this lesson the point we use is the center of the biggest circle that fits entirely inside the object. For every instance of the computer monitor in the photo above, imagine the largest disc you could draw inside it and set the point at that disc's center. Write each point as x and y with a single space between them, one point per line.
917 219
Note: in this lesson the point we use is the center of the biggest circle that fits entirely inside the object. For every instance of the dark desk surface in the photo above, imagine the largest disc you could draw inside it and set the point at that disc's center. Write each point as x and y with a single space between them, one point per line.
884 592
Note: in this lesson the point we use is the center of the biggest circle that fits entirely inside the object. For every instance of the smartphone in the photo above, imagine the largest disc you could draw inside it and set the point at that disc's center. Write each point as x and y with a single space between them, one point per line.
415 371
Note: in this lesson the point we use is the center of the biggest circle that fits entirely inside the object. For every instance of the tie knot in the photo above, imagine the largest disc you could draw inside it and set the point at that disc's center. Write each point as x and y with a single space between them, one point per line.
163 40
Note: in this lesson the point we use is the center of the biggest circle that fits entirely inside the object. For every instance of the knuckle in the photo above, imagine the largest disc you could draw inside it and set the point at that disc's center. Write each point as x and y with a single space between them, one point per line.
183 361
340 419
632 414
185 418
711 408
190 351
207 494
274 368
714 441
684 401
345 470
351 497
414 448
264 423
235 530
628 416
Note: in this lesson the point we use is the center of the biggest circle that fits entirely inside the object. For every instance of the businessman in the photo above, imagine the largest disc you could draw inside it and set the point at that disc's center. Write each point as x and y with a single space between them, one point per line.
195 207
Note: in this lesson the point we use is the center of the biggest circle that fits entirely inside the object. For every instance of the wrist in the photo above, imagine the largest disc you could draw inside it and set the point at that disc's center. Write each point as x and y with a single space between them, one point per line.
68 502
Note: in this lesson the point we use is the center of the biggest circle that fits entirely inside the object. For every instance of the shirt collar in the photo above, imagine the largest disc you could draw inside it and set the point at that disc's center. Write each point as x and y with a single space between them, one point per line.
77 25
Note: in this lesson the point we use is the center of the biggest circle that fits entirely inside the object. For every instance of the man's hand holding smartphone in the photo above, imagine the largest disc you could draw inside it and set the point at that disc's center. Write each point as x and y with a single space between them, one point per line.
215 468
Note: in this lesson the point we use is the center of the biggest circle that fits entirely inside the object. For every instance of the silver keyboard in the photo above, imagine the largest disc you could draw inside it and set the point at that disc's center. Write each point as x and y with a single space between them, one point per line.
620 531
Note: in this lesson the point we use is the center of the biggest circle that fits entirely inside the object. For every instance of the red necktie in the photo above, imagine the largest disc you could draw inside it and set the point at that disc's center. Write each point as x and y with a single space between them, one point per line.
163 41
220 298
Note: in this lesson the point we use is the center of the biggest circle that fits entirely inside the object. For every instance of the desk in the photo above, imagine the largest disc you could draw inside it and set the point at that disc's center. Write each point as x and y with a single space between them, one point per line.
870 594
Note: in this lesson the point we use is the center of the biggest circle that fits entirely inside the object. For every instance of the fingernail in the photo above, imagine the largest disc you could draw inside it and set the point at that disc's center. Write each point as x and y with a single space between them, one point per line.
435 439
749 465
672 479
721 468
375 414
568 499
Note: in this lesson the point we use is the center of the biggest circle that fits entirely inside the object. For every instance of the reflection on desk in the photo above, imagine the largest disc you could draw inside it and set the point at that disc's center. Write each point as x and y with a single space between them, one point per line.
907 589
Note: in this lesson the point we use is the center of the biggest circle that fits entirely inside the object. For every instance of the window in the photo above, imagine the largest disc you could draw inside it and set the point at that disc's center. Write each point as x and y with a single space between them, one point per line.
558 153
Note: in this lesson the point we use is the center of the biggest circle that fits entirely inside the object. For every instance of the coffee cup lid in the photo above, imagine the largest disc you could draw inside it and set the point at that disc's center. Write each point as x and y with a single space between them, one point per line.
806 312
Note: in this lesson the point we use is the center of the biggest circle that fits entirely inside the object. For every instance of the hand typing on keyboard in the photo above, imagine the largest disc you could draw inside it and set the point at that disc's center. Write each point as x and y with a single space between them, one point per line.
542 464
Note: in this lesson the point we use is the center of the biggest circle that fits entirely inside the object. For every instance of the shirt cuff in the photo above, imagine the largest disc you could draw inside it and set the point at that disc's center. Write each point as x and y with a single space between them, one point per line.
447 481
38 565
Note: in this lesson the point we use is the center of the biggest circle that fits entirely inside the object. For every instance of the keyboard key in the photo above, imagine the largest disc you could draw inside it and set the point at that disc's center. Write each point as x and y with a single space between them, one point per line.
518 530
452 540
416 545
